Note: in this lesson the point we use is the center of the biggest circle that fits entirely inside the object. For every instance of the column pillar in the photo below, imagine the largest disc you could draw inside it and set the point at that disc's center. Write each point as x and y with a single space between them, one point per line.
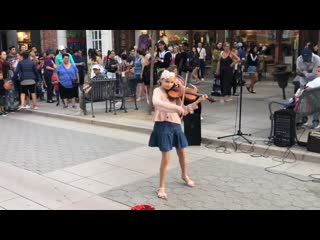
12 39
61 38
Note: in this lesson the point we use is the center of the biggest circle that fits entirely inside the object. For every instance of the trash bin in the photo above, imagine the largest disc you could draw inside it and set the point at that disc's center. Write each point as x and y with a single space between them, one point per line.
192 126
282 77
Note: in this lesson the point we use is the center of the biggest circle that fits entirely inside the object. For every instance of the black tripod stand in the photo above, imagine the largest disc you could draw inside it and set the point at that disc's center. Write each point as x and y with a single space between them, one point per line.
239 133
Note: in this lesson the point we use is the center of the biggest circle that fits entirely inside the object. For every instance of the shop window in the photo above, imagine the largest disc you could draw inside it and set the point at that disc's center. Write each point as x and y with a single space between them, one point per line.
76 39
24 39
96 39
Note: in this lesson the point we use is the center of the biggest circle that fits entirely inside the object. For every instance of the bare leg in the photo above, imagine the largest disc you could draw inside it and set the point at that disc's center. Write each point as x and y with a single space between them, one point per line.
183 165
34 99
22 99
27 99
254 79
139 91
163 168
195 75
65 101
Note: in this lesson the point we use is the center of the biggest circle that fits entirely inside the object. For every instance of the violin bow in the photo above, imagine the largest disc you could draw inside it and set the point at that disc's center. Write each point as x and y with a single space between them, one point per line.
184 91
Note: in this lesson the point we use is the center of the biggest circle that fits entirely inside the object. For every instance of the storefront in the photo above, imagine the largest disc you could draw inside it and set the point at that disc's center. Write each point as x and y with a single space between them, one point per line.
275 46
177 37
24 39
76 39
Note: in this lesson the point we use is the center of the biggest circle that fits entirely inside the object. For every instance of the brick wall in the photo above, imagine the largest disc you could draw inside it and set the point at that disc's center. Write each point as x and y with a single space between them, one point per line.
48 39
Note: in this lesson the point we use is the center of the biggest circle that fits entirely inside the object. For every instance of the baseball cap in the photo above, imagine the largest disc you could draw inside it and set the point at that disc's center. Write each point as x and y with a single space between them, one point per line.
61 47
96 66
306 54
239 44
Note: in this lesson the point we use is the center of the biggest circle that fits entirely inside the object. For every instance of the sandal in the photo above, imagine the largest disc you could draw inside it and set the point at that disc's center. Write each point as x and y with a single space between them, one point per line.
162 194
248 89
188 181
253 91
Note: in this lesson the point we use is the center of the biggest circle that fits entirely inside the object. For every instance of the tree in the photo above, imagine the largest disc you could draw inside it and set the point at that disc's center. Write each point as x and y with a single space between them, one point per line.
153 41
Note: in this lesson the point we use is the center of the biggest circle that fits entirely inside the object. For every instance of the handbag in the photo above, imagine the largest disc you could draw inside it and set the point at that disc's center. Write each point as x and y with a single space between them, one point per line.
74 81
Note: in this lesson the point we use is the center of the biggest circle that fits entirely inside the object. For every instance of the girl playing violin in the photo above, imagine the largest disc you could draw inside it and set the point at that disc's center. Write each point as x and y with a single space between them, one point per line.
167 132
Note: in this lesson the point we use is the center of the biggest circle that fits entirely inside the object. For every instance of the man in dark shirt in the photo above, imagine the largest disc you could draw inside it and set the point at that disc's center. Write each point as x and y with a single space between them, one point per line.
184 66
79 62
131 58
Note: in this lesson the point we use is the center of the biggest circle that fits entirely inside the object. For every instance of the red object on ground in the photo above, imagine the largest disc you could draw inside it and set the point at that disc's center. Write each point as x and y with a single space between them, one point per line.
143 207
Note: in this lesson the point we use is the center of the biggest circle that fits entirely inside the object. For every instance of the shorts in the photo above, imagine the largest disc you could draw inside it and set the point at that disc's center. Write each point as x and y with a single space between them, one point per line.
26 89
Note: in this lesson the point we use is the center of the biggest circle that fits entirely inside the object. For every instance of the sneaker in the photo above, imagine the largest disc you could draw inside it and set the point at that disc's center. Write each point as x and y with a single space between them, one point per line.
35 108
118 105
21 107
3 114
317 127
74 106
65 106
201 118
27 107
202 79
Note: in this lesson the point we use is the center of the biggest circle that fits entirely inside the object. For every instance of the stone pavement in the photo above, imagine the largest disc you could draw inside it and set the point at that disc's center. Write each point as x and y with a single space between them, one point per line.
221 185
129 176
41 149
219 119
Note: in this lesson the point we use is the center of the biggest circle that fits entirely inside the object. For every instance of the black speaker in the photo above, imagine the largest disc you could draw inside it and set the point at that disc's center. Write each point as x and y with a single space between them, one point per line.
192 128
284 128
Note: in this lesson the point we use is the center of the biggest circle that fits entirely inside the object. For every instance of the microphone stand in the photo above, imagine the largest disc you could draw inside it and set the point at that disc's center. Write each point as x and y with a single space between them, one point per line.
239 133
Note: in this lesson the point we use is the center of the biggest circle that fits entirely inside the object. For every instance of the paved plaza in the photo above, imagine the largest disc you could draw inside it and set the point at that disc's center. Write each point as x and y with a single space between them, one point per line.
123 171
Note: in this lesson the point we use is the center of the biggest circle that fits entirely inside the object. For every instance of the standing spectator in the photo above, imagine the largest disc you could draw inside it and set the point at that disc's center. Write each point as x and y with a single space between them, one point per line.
49 67
12 55
253 62
79 62
216 56
175 56
194 65
163 57
67 75
17 83
4 71
225 70
138 74
28 75
59 59
202 58
112 65
94 59
184 66
132 57
10 94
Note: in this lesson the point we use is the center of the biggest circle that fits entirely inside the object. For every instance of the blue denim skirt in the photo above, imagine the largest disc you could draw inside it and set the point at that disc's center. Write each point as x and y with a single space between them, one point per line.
166 135
252 69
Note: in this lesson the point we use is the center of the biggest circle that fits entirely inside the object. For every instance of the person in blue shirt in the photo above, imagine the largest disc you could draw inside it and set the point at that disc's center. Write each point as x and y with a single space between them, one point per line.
68 77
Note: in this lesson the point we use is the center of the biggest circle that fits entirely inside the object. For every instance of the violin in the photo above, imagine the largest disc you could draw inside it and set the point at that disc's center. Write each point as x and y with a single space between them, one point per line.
191 93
